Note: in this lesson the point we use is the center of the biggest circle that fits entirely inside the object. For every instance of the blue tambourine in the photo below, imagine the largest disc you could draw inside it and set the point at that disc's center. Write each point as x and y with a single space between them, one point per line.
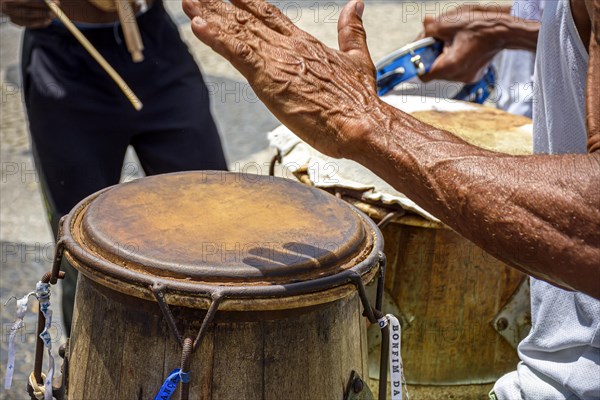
415 59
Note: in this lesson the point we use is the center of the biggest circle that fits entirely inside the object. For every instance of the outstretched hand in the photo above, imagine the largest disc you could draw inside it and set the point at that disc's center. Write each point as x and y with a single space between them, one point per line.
320 93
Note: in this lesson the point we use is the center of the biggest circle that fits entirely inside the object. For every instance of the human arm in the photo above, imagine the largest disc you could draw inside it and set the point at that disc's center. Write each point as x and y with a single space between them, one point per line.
27 13
593 79
472 36
540 214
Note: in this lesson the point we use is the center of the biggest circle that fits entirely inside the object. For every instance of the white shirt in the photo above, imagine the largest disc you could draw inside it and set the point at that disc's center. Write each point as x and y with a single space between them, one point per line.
561 355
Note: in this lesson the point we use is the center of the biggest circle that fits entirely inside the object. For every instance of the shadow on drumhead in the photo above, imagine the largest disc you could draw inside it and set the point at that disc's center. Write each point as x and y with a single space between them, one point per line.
296 257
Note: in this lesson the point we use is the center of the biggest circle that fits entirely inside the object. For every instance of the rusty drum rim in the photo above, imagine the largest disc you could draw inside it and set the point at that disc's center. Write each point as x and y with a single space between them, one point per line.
235 297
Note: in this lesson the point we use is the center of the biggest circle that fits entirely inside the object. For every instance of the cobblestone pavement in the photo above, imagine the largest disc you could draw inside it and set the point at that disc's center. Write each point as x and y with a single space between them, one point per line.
26 241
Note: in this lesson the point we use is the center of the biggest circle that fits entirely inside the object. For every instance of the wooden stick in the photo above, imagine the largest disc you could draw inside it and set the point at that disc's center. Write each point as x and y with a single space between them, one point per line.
137 104
131 31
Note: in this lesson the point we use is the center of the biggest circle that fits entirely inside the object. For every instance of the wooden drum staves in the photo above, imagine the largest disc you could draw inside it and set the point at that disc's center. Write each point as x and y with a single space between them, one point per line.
276 263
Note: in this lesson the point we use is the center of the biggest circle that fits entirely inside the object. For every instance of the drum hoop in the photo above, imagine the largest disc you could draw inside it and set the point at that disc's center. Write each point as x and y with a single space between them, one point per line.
108 273
428 41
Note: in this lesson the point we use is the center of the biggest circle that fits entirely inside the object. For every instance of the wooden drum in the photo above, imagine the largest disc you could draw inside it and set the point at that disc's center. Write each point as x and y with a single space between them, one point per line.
254 279
462 311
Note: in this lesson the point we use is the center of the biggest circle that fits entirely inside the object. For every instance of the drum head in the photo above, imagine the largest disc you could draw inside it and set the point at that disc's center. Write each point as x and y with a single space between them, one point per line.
224 227
218 229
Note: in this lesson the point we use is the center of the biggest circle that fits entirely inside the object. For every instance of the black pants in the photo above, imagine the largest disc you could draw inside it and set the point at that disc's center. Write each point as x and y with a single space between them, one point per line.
81 123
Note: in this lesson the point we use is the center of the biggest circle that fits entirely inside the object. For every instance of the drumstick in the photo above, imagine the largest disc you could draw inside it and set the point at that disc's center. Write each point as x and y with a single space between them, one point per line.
131 32
137 104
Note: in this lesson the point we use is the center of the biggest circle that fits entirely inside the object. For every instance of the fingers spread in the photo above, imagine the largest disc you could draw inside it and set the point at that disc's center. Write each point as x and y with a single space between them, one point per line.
352 38
227 17
240 54
202 8
236 33
268 14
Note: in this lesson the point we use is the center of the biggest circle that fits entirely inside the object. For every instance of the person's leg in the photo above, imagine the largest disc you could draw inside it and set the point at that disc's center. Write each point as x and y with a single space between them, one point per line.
179 147
175 131
76 150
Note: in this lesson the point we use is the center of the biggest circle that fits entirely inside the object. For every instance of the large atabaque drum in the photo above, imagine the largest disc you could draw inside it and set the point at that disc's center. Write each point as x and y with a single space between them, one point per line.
276 263
462 311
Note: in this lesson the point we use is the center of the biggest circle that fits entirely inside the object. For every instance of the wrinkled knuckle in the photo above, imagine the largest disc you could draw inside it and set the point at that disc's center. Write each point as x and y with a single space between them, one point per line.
242 51
353 29
242 17
234 29
211 6
264 10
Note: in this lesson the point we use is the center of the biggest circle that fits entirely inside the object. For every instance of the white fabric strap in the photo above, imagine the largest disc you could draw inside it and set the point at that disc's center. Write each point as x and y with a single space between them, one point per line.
397 379
18 324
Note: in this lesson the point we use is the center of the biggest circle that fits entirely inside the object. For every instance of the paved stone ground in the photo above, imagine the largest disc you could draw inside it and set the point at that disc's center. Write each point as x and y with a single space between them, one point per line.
26 241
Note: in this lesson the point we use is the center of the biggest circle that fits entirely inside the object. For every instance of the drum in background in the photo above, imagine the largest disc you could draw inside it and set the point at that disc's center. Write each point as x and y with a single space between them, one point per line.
276 263
462 311
400 70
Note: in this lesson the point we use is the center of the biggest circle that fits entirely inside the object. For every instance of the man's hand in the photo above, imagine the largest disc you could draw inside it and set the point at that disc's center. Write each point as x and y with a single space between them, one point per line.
27 13
320 93
472 36
467 52
538 213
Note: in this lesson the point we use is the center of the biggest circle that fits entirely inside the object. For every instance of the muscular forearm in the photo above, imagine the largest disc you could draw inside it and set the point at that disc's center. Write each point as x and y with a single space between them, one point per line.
515 33
593 80
540 214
